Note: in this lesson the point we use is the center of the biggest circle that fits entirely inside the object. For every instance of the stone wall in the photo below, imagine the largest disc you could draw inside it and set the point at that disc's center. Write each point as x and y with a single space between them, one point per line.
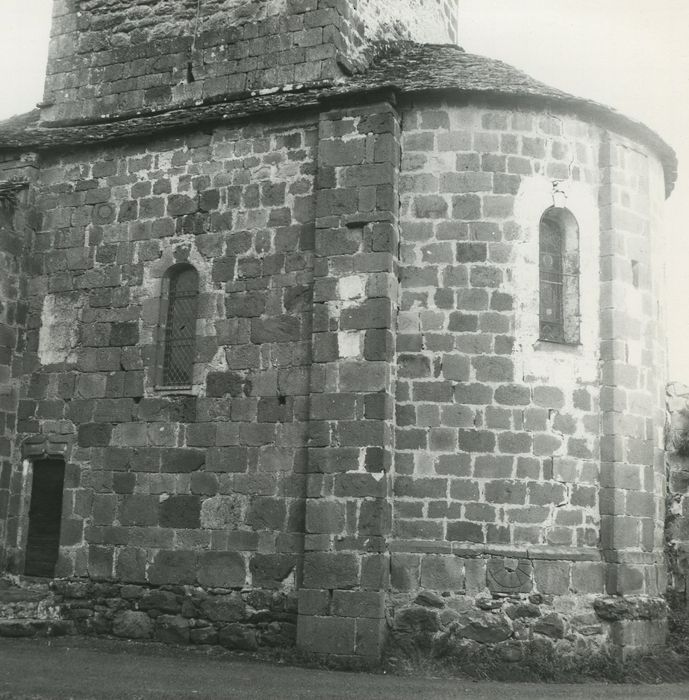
204 485
375 438
516 468
108 57
16 227
677 466
498 433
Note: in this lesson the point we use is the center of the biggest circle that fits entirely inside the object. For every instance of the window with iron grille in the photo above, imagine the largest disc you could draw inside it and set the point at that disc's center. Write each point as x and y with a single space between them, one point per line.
559 277
179 339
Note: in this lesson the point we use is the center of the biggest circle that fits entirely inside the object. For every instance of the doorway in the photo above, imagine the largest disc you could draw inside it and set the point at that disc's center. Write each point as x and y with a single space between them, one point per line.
45 514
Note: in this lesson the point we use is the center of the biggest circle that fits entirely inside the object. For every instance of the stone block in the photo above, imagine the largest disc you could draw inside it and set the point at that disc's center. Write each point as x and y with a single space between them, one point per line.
180 512
331 570
493 369
224 608
372 313
375 572
325 516
363 376
639 634
588 577
368 604
180 204
100 562
173 567
203 635
405 571
139 509
272 570
476 440
221 570
552 577
509 576
374 517
94 434
314 602
462 531
326 635
236 636
132 625
280 329
624 579
513 395
430 207
130 565
551 625
172 629
370 638
466 207
442 573
266 513
474 575
483 627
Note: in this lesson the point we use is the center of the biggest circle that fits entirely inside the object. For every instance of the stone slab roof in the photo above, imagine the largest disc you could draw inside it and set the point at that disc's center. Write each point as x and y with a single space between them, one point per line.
406 69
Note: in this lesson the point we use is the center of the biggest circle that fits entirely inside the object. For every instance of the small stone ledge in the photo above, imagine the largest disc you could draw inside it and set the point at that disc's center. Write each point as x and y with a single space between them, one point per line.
468 550
630 557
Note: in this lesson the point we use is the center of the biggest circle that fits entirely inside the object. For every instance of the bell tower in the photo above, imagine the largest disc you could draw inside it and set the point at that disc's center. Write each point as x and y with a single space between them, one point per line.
115 58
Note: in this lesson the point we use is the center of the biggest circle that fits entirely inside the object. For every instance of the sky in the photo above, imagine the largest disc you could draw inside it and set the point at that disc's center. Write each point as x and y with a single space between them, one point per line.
630 54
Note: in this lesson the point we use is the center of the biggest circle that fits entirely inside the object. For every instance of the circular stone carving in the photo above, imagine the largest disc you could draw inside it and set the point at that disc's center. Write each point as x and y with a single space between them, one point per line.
508 576
103 214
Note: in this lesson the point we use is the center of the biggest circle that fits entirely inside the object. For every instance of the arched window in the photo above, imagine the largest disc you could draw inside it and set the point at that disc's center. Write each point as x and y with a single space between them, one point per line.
559 276
180 301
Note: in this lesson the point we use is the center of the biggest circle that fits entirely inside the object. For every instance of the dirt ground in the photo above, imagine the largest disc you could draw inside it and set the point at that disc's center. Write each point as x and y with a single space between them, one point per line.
102 669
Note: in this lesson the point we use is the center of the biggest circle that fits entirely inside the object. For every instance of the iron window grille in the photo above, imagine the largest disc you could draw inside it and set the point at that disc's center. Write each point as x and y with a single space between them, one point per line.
179 341
559 277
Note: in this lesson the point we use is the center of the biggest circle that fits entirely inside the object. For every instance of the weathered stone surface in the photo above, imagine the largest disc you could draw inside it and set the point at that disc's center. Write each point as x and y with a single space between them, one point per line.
429 599
17 628
173 567
427 223
203 635
221 570
164 601
417 625
483 627
172 629
272 570
509 576
221 512
237 637
224 608
132 625
551 625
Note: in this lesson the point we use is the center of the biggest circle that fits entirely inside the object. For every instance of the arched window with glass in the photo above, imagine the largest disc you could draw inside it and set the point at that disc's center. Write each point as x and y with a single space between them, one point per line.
559 277
178 333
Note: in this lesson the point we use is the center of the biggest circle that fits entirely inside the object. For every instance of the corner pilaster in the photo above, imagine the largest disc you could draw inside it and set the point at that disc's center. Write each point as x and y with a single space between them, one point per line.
348 506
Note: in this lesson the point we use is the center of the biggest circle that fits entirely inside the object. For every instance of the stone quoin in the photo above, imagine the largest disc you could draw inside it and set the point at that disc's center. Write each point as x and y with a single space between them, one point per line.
317 330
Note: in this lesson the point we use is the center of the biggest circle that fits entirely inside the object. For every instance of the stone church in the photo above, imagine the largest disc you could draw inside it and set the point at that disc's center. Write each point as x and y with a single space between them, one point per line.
317 330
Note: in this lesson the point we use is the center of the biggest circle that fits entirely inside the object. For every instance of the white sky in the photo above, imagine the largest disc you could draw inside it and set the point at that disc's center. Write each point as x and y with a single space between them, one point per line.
630 54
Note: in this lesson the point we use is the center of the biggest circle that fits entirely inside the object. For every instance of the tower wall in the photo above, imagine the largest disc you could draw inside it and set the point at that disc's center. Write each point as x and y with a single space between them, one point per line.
109 57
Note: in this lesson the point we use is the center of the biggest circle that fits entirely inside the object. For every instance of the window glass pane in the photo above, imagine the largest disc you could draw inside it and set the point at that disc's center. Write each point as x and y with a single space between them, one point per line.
551 283
180 328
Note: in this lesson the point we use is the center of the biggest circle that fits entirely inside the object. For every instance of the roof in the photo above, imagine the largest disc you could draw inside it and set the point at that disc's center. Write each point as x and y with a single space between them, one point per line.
408 68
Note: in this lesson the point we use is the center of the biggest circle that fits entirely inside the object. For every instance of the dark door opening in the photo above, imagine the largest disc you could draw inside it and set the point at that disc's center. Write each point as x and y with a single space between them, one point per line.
45 513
